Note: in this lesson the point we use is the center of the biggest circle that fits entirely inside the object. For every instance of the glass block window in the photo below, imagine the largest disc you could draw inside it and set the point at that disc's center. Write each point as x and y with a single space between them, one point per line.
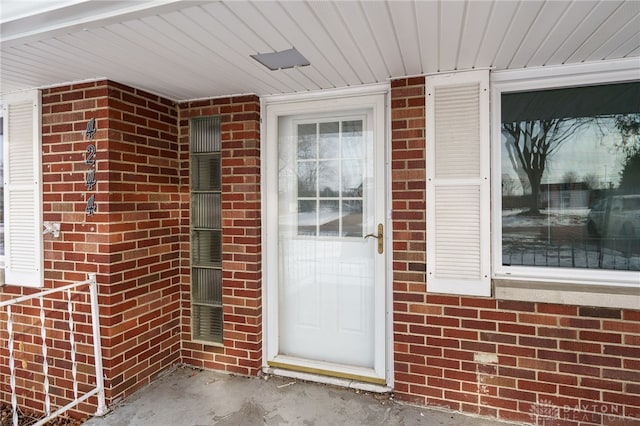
206 230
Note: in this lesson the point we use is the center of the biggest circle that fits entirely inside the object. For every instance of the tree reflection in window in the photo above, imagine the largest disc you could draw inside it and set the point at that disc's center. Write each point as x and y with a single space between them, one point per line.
571 177
330 168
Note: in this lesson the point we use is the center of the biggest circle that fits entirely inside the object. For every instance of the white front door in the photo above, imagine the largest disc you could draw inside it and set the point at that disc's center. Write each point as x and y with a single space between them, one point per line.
325 192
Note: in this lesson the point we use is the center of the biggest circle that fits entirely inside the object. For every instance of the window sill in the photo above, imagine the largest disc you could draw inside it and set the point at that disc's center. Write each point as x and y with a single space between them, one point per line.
568 294
208 343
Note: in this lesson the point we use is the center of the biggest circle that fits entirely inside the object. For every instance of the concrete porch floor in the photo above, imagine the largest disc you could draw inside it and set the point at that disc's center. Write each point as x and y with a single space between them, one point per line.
192 397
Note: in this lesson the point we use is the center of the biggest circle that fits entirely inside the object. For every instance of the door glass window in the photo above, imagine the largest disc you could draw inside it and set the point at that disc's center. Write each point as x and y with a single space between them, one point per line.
329 165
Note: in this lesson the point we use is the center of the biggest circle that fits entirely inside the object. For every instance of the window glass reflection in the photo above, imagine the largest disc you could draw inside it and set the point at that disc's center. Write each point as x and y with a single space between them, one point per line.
329 218
330 161
329 178
571 177
307 178
352 218
329 140
352 178
307 147
307 217
353 146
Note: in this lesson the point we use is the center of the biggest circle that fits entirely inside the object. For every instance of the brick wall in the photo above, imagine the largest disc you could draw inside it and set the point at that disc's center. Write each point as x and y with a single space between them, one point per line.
512 360
241 240
65 113
139 239
132 241
137 242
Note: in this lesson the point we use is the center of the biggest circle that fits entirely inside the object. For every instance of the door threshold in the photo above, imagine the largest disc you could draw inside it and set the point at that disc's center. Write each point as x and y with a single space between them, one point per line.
324 368
327 380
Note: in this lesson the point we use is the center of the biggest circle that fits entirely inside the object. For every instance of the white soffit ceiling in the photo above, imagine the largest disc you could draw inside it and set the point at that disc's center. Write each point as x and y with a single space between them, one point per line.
197 49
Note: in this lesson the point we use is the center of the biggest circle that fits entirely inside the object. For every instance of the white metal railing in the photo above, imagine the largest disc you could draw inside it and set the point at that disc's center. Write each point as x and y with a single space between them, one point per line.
97 350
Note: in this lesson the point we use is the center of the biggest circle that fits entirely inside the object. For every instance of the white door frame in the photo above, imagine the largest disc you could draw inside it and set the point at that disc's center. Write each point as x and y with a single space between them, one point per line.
370 96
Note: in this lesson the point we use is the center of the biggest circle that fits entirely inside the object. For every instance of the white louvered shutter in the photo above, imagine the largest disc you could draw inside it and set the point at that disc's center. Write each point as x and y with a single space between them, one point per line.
458 240
22 189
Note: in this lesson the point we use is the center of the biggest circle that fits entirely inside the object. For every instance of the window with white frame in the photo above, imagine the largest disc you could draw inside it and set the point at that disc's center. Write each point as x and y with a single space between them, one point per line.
566 178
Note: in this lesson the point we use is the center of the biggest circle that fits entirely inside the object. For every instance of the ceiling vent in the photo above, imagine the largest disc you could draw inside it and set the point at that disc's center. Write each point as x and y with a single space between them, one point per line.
284 59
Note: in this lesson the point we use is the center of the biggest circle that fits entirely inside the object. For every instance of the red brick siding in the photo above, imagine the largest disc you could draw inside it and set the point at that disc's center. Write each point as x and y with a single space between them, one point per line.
132 241
584 361
140 203
241 235
65 113
138 240
479 355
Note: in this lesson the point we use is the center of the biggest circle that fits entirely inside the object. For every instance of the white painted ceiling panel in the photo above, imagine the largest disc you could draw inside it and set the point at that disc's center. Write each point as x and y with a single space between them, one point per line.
452 16
119 60
428 14
119 56
226 22
473 33
362 34
497 27
213 49
78 49
342 36
627 49
187 54
198 49
544 24
564 26
259 36
322 40
305 77
386 38
65 55
630 31
521 24
618 20
28 59
294 31
135 37
585 29
403 18
255 20
211 55
214 26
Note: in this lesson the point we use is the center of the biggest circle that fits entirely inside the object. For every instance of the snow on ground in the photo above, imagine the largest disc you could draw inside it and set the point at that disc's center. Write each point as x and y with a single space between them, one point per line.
557 238
549 217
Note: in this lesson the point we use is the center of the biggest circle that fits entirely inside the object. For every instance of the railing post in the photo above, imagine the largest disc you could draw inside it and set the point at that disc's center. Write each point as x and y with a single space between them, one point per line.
97 346
45 362
12 380
72 345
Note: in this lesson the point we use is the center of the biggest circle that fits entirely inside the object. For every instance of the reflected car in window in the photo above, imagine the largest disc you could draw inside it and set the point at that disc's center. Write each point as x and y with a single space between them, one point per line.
615 216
